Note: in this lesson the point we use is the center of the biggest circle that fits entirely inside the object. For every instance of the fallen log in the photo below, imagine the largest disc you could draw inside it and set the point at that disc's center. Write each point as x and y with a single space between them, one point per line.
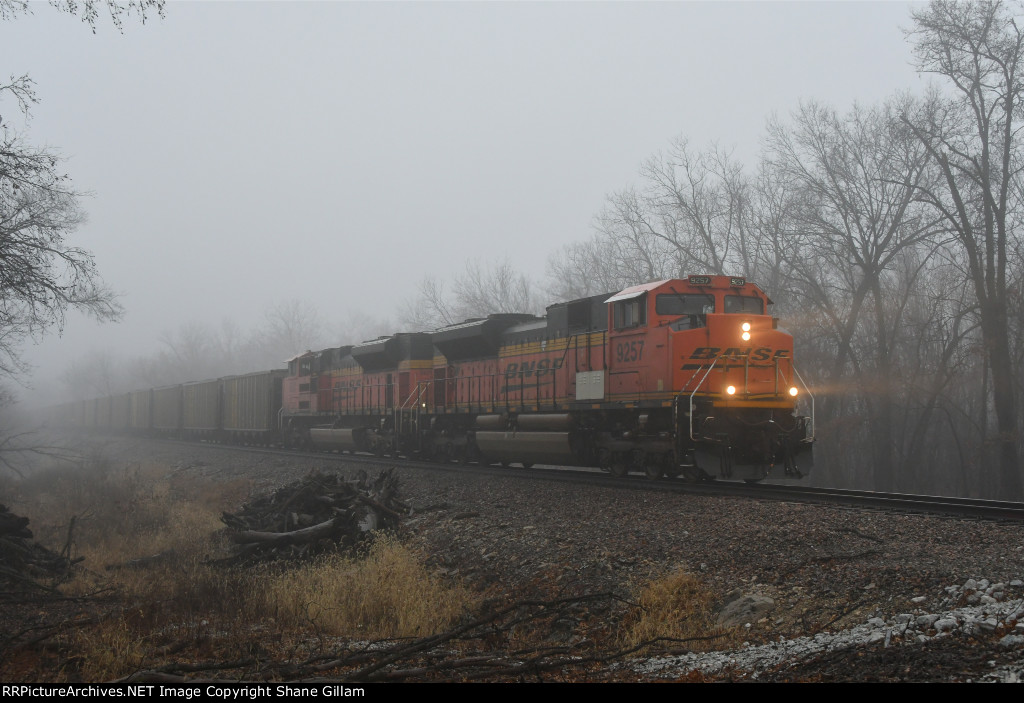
313 515
301 536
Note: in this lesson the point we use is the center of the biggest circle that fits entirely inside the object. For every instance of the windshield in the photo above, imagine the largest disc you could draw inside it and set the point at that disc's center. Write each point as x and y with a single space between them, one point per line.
684 304
744 303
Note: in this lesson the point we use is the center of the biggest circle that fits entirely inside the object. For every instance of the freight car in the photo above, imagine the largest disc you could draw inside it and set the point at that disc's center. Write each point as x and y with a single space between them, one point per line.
685 376
241 409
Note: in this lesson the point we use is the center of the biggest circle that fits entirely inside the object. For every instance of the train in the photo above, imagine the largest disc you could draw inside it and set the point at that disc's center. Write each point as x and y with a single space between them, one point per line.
683 377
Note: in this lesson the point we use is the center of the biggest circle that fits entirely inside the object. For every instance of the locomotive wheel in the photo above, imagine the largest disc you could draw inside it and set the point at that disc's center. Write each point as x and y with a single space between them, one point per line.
505 464
527 464
653 471
696 474
619 468
790 467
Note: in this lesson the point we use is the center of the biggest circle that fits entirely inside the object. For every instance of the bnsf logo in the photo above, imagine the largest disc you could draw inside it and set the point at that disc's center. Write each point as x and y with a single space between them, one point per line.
759 354
529 368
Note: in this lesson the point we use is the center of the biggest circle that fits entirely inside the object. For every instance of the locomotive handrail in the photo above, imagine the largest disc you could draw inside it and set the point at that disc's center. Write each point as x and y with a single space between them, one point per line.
690 379
699 384
809 395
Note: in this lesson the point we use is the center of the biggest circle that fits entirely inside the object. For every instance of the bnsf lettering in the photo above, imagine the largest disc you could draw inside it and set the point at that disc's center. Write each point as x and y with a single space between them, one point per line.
759 354
705 353
529 368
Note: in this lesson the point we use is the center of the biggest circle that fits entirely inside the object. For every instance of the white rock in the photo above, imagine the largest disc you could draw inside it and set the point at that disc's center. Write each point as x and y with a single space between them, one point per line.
1011 641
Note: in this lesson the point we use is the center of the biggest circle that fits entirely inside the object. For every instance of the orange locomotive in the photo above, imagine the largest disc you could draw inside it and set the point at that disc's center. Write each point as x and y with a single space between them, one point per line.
679 376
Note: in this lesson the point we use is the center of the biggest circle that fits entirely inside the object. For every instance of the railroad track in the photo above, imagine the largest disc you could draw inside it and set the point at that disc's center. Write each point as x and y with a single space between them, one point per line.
972 508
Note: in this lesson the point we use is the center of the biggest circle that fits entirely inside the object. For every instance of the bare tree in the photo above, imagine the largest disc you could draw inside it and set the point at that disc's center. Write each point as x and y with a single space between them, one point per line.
477 292
481 290
190 353
42 276
693 212
974 136
359 326
600 264
89 10
859 176
700 204
94 374
290 327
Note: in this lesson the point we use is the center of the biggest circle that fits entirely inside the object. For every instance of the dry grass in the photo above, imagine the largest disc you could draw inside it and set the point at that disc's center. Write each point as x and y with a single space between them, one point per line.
185 607
126 512
183 604
389 593
677 606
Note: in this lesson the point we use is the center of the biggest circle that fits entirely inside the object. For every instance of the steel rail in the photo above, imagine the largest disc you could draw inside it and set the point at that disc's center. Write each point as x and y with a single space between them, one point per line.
973 508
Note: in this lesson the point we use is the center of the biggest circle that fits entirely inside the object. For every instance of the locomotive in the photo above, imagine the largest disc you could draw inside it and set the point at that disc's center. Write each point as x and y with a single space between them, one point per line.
683 376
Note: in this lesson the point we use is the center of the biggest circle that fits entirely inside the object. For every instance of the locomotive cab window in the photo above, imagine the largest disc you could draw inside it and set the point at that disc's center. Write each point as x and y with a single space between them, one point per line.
744 303
631 313
680 304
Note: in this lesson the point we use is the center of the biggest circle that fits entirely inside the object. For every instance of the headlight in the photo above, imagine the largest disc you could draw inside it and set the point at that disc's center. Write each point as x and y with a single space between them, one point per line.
746 336
731 390
745 327
793 391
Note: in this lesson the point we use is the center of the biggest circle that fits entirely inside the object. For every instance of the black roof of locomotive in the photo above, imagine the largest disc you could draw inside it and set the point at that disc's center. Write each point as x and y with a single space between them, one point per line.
387 352
588 314
482 337
478 337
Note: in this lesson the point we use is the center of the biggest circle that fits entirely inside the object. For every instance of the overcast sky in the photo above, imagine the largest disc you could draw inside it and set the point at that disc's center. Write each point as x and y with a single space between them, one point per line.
240 153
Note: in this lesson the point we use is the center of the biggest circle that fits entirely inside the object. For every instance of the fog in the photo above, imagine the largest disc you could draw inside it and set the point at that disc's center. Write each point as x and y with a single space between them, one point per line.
241 154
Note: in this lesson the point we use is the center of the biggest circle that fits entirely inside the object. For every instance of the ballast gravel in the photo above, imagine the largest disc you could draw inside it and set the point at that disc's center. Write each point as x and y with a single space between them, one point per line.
855 595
